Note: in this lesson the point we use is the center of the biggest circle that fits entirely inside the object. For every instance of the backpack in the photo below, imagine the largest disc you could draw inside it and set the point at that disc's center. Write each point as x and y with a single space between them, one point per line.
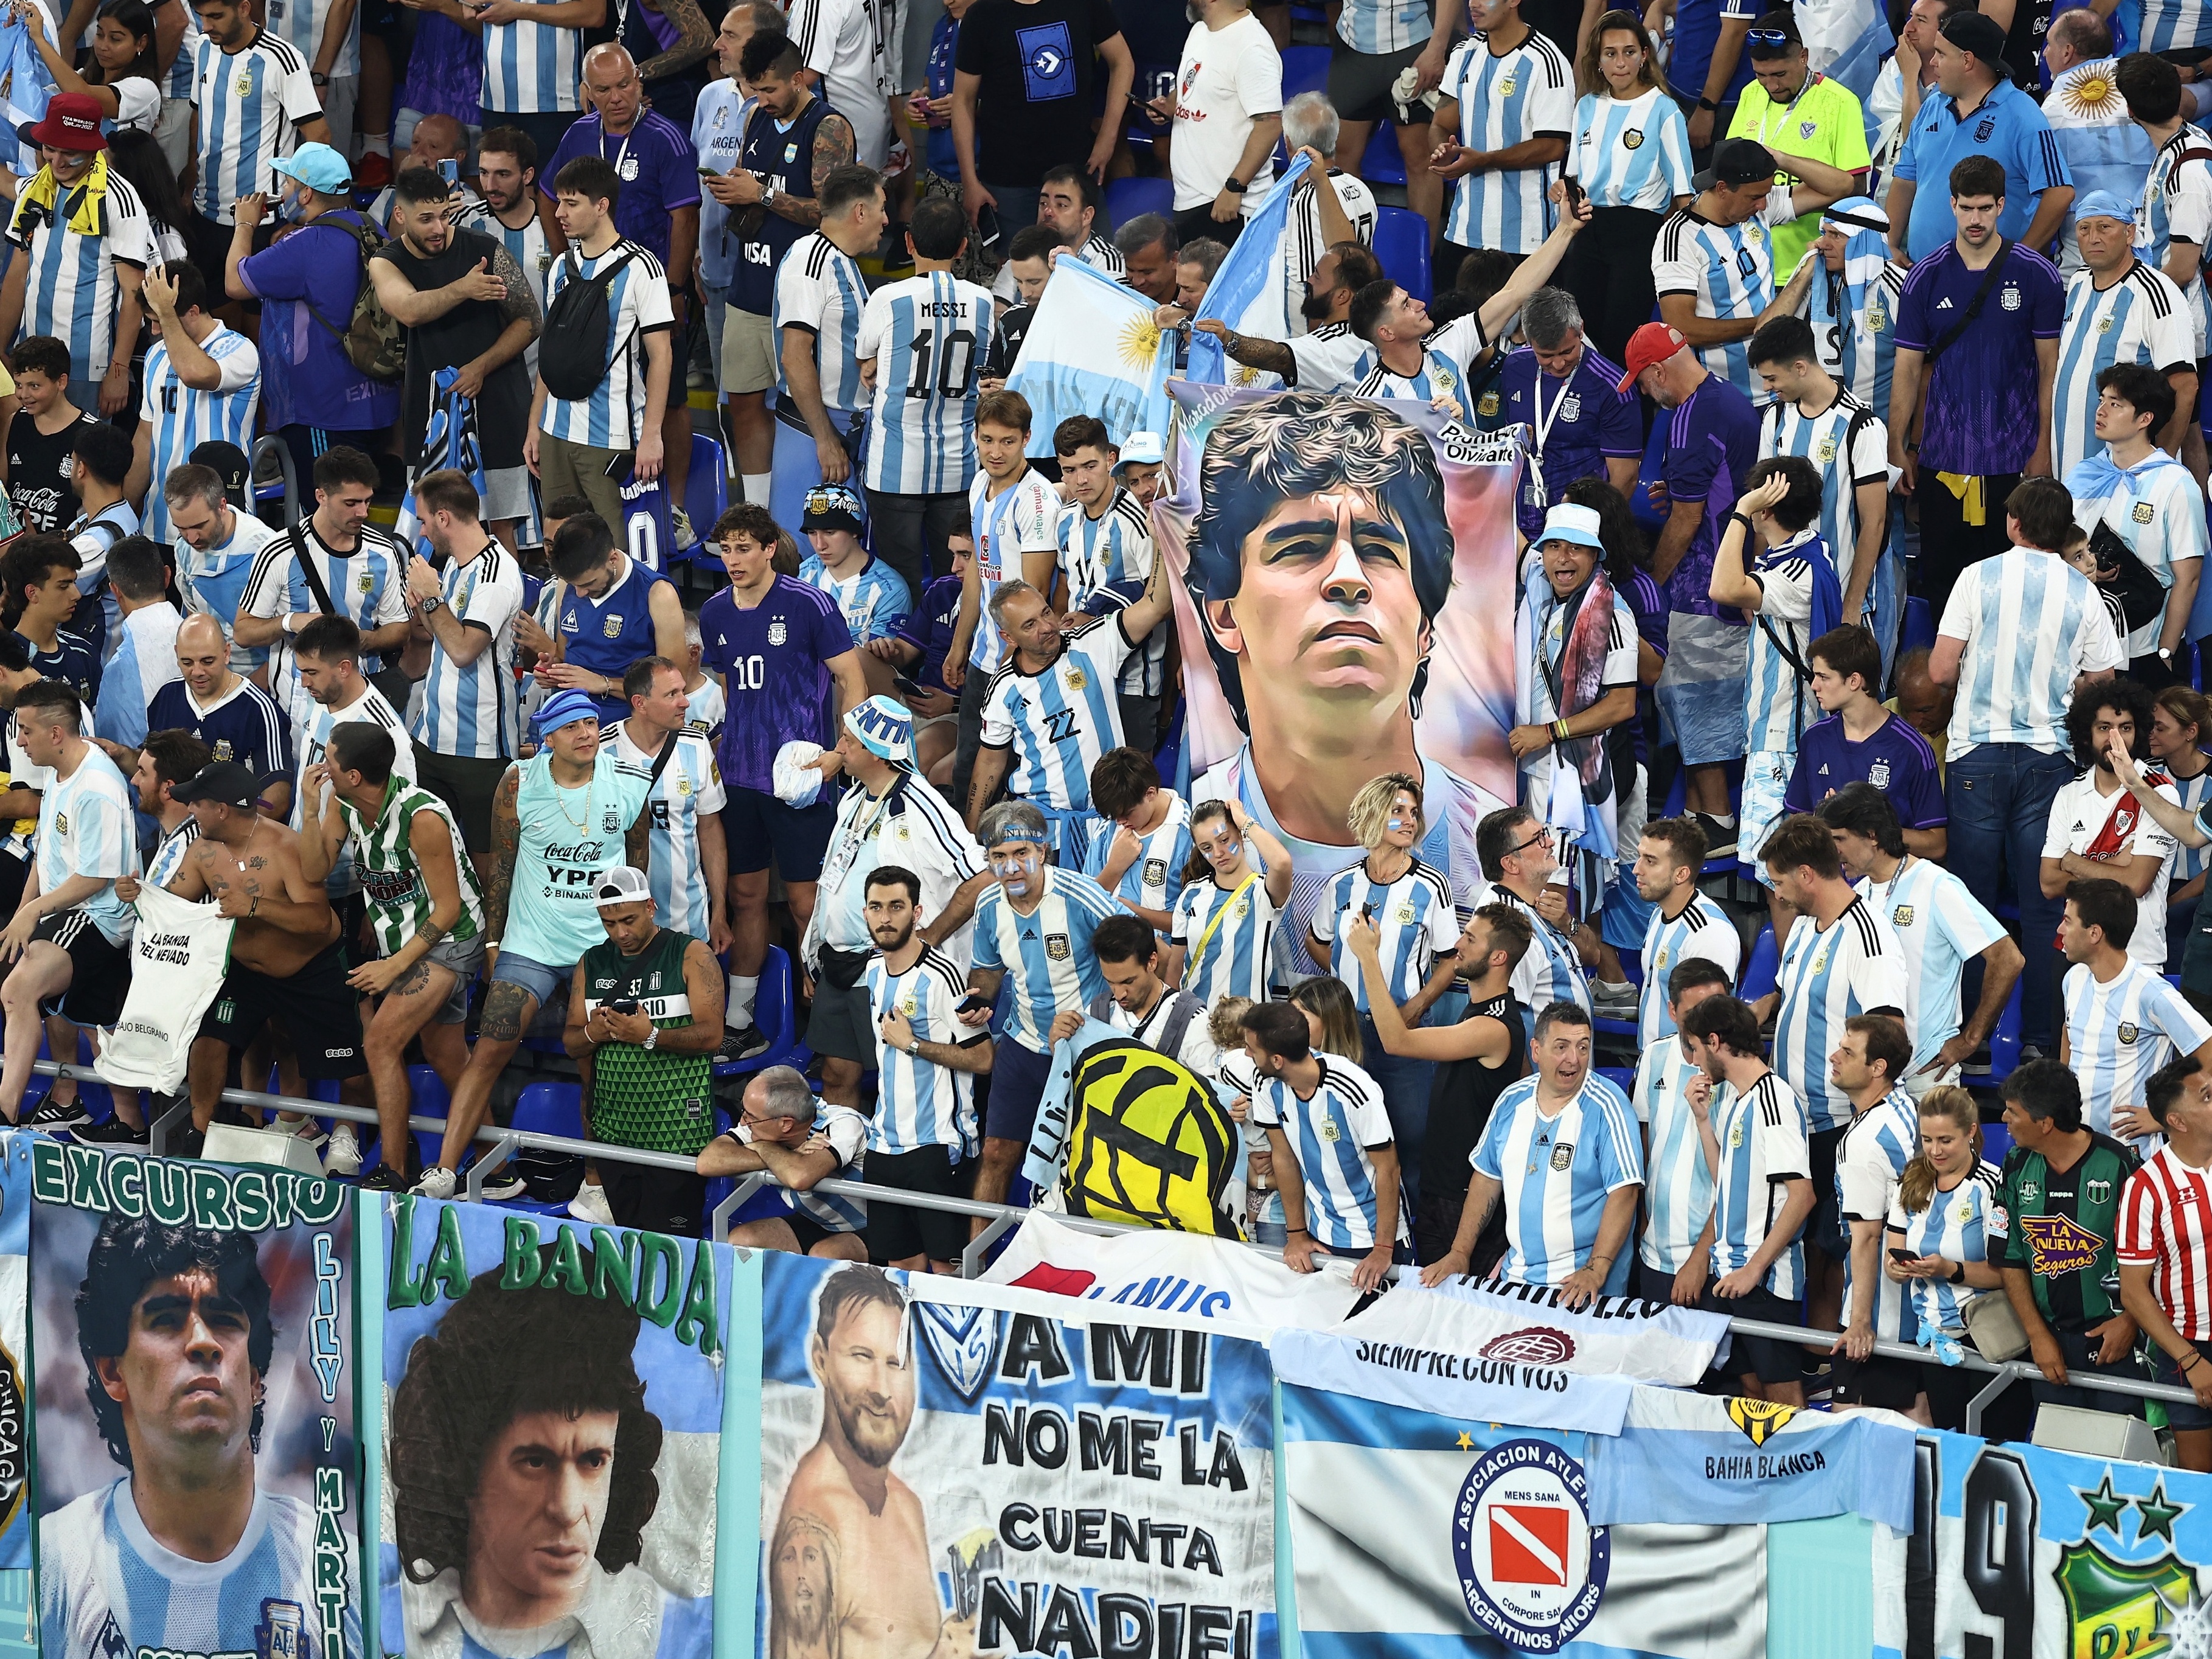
371 339
574 347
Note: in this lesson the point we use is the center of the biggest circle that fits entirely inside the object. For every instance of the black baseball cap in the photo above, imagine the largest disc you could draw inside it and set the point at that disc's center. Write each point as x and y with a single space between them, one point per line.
230 463
1984 36
223 781
1736 161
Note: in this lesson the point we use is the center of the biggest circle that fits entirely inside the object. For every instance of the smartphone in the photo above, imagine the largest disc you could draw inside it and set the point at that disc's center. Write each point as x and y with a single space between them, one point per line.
1573 188
970 1003
450 171
1905 1256
906 685
986 225
623 1006
708 173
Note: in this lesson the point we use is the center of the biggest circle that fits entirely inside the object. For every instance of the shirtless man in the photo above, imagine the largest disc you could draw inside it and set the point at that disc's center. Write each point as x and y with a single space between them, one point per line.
287 963
883 1591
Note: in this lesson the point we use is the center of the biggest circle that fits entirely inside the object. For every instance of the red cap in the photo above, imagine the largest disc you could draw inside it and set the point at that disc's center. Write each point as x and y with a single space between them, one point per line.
1650 346
72 123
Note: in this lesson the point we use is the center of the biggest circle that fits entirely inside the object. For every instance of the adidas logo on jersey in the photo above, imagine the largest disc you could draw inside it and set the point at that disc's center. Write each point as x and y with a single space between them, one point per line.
1943 304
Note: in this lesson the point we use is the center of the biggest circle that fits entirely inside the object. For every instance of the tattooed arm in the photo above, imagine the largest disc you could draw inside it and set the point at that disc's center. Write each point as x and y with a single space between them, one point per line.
833 149
431 845
506 835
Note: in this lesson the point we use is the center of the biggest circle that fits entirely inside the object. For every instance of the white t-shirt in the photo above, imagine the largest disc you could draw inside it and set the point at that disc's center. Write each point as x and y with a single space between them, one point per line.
2079 815
1229 78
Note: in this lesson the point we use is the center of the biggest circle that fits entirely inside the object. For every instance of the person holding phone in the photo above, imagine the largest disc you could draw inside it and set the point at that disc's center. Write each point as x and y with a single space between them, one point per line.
1945 1227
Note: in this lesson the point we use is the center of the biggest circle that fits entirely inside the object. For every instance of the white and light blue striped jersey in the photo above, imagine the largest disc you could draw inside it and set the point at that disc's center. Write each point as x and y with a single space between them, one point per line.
637 305
1551 970
1154 878
1941 927
1304 242
707 708
819 289
1022 518
845 1133
169 856
182 417
1046 955
1678 1186
1107 561
1506 99
69 286
1445 357
1853 966
1702 932
179 83
1778 704
110 1587
1966 1223
2156 508
872 600
1414 915
2120 1031
1060 722
2175 25
527 246
1870 1161
468 709
1558 1172
1729 271
929 336
919 1103
1850 443
86 828
368 587
690 788
1234 962
2141 318
144 660
532 69
250 105
1376 28
2188 862
1331 1134
2032 625
1763 1144
2177 202
213 580
302 22
311 724
1635 154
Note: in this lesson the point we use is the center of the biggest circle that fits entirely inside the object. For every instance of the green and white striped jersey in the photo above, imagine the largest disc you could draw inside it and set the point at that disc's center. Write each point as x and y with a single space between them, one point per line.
391 881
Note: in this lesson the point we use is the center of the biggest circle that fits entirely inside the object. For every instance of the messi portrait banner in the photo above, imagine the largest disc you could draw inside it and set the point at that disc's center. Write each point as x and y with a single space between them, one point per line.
967 1469
552 1411
1345 608
197 1485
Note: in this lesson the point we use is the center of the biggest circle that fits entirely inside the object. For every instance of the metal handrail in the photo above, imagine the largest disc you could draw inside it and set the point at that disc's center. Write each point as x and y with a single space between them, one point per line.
1003 1218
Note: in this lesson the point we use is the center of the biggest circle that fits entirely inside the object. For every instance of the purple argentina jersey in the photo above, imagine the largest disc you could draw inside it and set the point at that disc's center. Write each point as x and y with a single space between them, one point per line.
771 660
1711 444
1982 415
1896 760
928 629
1577 422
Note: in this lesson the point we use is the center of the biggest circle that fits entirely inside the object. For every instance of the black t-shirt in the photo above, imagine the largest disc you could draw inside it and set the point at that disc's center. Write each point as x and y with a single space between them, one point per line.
2023 47
1038 64
1013 329
39 473
1461 1095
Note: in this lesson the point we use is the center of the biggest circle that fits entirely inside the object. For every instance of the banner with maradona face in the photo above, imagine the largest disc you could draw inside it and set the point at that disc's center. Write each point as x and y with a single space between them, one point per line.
967 1469
197 1487
553 1406
15 1352
1346 603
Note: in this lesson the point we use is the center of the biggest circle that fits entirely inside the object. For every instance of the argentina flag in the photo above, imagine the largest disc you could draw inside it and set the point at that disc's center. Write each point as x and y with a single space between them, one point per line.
1246 294
1093 348
1846 40
24 86
451 442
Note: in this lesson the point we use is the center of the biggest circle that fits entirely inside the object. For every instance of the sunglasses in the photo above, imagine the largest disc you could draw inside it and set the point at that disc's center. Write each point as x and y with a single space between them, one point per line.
1775 40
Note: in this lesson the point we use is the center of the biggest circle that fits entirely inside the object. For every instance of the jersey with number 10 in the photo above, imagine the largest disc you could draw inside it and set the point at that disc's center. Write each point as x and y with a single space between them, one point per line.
928 336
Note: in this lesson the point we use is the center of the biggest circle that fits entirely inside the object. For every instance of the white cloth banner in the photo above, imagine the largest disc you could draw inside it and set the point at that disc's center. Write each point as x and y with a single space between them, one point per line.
178 954
1618 1336
1453 1381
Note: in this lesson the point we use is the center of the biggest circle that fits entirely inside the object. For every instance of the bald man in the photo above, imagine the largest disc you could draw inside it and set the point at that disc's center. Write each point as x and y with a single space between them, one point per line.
436 138
235 718
658 209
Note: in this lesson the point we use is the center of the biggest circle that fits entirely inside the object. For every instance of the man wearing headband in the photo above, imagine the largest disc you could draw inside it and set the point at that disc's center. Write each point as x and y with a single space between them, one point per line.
1794 112
2119 309
893 816
1976 110
560 821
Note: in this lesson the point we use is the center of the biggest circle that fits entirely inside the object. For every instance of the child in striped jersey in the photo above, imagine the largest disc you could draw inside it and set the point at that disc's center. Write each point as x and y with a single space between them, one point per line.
1944 1225
1224 928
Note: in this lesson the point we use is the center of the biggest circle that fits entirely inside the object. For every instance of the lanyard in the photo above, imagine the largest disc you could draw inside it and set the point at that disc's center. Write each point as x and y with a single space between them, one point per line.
1545 423
620 155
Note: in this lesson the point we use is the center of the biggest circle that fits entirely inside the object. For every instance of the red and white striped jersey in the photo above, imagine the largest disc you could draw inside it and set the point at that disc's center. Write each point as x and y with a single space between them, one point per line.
2165 1221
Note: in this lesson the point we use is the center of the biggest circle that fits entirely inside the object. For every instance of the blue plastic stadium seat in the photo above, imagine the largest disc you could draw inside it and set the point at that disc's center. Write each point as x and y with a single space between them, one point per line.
1621 1077
1760 971
774 1012
1401 244
1384 163
548 1109
1131 198
707 495
1305 69
1918 631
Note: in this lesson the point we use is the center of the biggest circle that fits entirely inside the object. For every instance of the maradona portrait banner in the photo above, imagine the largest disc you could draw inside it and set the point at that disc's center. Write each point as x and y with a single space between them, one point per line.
966 1469
553 1404
14 1350
197 1487
1345 608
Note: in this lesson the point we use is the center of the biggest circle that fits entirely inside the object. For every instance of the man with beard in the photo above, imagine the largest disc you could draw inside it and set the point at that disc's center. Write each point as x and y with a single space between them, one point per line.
844 1488
466 305
1327 356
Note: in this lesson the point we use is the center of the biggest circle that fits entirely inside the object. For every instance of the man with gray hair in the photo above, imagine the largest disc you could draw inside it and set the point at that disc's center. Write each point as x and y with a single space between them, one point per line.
800 1142
1328 206
1148 245
1567 392
1033 930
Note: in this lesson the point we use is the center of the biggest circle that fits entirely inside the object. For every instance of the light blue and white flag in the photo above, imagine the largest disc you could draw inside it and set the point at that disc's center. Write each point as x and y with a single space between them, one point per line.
1846 40
1247 292
1457 1378
1690 1457
24 86
449 442
1092 349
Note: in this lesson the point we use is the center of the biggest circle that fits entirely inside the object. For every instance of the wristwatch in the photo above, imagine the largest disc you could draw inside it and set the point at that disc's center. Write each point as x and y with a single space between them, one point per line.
652 1038
915 1047
768 194
1233 185
433 603
318 77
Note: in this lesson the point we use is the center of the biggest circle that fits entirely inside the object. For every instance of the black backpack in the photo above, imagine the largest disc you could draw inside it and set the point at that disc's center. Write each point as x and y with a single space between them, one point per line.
574 349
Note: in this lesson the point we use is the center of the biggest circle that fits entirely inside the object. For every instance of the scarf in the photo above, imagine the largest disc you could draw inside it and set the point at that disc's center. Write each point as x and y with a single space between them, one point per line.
2099 476
1580 801
87 212
1839 308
